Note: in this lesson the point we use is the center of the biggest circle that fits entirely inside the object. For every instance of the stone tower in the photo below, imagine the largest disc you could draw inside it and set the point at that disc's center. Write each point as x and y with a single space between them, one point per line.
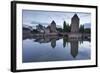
53 26
75 24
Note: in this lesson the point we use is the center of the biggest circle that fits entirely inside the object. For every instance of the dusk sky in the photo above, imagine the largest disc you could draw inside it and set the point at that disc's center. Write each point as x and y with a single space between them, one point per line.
33 17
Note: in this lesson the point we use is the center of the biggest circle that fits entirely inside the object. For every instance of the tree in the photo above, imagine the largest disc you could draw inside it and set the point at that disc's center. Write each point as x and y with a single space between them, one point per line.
81 29
87 30
59 29
66 27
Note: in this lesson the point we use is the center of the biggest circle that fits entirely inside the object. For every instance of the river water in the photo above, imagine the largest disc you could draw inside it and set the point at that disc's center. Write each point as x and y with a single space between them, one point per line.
43 49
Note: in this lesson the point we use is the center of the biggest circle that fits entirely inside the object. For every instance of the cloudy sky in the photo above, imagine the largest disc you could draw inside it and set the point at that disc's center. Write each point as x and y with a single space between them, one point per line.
34 17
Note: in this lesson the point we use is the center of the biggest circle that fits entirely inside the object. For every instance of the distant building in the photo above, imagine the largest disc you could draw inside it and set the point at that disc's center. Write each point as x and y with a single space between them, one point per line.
53 27
40 28
75 24
47 30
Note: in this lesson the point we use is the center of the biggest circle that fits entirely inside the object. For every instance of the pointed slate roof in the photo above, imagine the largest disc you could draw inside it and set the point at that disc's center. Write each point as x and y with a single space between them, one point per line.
75 16
53 22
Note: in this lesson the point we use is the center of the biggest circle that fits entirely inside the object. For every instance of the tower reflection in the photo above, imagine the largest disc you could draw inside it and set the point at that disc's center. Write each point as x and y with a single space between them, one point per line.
73 45
53 43
74 48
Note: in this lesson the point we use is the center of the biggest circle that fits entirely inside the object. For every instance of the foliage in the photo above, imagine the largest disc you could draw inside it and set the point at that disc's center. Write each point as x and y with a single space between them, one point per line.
66 27
59 29
81 29
87 30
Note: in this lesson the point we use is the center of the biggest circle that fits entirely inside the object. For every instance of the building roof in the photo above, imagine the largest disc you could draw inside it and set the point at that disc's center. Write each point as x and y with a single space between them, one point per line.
75 16
53 22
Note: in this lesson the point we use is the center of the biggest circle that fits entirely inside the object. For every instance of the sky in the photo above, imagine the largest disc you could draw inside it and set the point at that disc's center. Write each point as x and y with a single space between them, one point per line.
34 17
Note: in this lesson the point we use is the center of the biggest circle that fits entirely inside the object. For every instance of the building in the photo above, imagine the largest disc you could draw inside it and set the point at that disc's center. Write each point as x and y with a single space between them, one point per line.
75 24
53 26
40 28
47 30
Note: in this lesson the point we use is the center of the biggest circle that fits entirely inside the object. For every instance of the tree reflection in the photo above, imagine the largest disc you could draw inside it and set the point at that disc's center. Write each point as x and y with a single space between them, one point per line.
65 40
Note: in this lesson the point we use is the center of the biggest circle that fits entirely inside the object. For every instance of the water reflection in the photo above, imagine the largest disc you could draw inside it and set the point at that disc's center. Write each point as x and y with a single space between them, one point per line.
64 41
74 48
53 43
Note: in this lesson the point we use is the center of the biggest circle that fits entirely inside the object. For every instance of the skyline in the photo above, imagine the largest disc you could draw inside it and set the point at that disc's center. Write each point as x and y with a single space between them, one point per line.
34 17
